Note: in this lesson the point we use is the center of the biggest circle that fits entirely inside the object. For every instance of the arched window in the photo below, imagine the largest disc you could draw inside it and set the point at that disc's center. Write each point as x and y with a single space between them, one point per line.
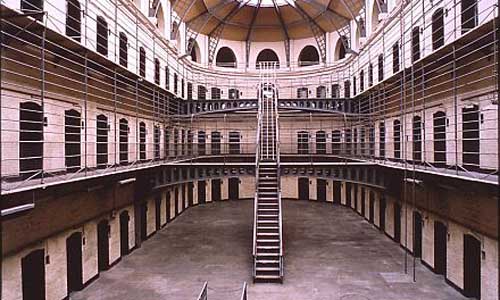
371 140
29 6
234 142
340 49
142 141
336 143
215 142
415 44
395 57
160 19
381 128
302 93
102 36
142 62
73 19
267 55
347 89
215 93
437 29
375 15
157 71
201 143
309 56
335 91
321 92
439 128
202 92
182 88
397 139
124 141
173 31
303 142
321 142
469 14
354 86
470 137
102 141
225 58
417 138
123 50
195 51
380 67
72 139
156 141
30 139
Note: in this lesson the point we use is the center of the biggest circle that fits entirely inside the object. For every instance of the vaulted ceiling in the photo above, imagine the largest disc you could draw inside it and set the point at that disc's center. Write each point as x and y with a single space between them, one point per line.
266 20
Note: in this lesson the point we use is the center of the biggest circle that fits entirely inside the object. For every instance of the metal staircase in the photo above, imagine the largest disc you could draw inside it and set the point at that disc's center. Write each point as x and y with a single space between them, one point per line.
268 241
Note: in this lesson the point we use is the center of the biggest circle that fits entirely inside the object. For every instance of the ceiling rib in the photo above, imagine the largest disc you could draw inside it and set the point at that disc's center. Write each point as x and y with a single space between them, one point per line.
286 41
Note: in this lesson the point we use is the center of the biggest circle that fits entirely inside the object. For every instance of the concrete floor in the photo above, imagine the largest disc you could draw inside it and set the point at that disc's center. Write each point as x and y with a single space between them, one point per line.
330 253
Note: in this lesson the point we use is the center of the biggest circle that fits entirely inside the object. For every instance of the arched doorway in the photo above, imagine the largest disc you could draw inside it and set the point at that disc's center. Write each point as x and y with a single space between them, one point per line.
33 275
124 237
103 245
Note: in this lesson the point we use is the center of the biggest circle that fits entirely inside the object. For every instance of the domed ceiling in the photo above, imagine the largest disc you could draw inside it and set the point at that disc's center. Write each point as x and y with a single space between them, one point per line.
265 20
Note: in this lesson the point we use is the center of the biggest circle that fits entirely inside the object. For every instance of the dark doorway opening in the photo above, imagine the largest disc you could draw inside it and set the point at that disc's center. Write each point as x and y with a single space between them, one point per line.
472 266
202 191
439 119
190 188
321 189
158 212
356 197
440 245
304 188
176 200
74 262
216 192
417 234
144 221
348 194
363 202
382 214
33 275
103 245
371 209
397 222
336 192
168 207
234 188
124 219
234 142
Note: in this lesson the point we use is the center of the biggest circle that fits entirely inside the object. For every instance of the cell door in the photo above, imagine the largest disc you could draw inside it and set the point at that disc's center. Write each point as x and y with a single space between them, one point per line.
440 246
74 262
176 200
321 189
397 222
348 194
157 212
382 213
304 188
336 192
417 234
202 191
355 197
472 267
30 139
216 192
363 202
371 209
234 188
167 210
72 140
33 275
190 196
103 245
124 220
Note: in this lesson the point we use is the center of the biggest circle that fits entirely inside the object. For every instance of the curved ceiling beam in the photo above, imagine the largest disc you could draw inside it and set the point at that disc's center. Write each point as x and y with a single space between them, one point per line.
286 41
254 16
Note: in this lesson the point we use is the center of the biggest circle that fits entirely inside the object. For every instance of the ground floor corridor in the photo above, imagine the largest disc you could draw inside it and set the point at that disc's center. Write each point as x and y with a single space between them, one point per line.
330 253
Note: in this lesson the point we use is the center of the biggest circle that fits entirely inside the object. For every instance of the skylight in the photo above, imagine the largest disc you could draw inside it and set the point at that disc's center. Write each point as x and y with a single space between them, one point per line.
267 3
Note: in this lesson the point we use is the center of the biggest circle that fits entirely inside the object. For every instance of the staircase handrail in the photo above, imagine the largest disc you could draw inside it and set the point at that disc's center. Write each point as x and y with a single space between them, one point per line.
204 292
257 158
